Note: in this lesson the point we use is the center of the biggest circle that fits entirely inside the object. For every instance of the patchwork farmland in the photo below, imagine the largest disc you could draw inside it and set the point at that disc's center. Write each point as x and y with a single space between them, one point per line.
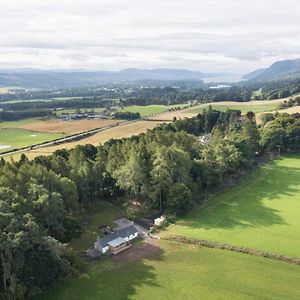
156 113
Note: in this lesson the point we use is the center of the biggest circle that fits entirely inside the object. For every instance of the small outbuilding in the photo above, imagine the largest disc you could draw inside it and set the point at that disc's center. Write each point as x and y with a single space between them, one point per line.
116 242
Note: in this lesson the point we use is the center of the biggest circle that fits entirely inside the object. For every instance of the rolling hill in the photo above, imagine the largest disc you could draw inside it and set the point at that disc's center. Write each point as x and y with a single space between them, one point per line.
67 79
281 70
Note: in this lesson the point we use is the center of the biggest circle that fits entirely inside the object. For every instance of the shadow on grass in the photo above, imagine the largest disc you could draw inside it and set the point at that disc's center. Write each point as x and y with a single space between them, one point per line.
116 277
243 205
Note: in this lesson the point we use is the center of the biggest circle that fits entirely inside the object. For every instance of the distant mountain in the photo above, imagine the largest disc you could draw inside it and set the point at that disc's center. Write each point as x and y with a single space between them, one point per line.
254 74
29 78
281 70
162 74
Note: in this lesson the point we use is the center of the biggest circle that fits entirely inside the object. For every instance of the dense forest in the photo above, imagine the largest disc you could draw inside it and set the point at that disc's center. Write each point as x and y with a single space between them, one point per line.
167 169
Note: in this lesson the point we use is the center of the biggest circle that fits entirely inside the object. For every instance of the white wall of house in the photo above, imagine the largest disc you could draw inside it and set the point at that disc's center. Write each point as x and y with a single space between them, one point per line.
105 249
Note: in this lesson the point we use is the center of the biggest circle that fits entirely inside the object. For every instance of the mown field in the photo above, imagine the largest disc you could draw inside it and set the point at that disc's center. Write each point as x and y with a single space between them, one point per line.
167 270
11 138
262 212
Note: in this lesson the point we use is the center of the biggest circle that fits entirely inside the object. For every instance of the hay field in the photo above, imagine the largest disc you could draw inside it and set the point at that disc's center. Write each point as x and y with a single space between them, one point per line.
66 127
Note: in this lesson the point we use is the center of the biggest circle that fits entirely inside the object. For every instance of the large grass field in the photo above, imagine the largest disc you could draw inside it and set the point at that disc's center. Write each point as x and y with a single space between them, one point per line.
18 138
256 108
262 212
167 270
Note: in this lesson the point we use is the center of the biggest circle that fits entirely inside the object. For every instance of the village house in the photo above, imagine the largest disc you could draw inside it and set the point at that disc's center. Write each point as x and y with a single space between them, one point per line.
116 242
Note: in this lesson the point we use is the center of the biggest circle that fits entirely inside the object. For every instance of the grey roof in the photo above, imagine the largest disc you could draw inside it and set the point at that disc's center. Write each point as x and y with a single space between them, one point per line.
116 242
125 232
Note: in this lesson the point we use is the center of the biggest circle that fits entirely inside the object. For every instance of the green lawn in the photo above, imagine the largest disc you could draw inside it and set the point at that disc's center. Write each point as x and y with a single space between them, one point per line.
149 109
17 138
178 271
262 212
256 108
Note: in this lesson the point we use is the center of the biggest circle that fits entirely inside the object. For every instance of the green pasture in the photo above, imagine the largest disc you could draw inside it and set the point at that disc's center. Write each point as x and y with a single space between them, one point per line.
178 271
18 138
262 212
256 108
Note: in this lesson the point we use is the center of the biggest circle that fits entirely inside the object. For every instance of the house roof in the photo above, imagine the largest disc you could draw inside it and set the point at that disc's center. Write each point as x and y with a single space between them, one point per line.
116 242
125 232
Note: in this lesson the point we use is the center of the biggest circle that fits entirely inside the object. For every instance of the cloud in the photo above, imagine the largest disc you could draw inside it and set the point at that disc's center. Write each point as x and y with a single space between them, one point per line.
208 36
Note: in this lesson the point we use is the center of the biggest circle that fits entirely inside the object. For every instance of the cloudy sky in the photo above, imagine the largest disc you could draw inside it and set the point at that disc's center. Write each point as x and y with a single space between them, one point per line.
206 35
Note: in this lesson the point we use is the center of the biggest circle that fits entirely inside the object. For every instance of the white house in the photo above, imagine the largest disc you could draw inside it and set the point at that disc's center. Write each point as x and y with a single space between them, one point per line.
116 242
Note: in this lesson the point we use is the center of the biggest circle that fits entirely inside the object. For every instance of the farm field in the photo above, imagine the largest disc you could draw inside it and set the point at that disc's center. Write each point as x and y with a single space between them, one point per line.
67 127
262 212
255 106
20 123
23 133
117 132
149 109
11 138
168 270
291 110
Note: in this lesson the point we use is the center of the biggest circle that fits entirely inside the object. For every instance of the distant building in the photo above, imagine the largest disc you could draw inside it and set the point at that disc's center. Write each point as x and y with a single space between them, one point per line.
116 242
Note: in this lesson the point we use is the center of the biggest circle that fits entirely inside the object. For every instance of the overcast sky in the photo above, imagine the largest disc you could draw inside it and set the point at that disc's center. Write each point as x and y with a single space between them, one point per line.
206 35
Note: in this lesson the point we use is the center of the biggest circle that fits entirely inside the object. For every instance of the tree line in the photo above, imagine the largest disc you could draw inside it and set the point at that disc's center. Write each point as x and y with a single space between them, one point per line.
166 169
